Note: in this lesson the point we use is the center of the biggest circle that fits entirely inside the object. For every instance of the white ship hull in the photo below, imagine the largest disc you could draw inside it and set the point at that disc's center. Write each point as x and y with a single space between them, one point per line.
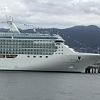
52 63
40 52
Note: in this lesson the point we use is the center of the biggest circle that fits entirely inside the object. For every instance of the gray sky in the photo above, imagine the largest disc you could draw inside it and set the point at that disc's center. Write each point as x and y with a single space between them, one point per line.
52 13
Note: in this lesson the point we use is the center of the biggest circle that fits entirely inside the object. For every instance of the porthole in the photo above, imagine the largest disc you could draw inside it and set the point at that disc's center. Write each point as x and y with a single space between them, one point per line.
34 56
40 56
46 56
79 57
28 56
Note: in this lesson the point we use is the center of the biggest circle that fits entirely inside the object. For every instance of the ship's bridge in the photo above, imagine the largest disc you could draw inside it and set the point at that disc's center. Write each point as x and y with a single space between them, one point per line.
59 39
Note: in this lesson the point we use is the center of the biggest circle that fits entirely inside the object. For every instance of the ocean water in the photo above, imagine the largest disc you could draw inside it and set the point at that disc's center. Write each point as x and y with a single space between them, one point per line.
48 86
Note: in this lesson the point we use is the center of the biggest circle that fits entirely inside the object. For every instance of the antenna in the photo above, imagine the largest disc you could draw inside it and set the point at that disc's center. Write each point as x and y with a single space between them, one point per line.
9 21
27 25
98 50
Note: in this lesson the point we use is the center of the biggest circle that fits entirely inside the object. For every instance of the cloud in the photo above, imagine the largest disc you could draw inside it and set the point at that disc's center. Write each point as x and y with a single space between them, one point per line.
52 13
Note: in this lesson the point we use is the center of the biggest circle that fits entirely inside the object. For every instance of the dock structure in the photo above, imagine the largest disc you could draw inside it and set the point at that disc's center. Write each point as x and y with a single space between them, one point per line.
93 69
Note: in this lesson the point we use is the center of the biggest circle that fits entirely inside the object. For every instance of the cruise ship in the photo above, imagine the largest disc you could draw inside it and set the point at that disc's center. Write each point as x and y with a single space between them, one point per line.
40 52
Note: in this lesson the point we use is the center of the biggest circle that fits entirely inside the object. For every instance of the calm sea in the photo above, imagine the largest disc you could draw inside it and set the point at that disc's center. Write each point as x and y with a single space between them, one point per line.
48 86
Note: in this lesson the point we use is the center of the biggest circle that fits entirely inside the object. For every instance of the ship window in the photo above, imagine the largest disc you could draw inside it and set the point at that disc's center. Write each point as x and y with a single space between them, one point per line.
28 56
40 56
79 57
35 53
34 56
2 56
57 43
46 56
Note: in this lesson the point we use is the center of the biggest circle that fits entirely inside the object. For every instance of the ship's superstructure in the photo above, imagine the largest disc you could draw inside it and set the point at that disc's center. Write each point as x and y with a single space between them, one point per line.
40 52
29 44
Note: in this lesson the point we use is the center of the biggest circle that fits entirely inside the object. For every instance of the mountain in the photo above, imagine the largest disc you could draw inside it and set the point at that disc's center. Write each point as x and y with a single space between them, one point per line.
4 30
85 36
81 38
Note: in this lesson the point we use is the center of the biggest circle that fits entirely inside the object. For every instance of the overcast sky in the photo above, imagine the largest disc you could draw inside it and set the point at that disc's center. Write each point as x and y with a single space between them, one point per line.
52 13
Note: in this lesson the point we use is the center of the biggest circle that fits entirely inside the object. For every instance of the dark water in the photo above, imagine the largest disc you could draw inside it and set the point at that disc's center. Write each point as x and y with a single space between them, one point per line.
49 86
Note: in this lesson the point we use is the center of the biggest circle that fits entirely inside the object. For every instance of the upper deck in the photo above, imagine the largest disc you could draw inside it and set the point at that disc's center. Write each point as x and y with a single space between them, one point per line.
8 35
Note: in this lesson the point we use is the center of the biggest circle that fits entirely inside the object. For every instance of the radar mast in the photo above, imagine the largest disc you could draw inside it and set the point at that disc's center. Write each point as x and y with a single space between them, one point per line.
13 27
